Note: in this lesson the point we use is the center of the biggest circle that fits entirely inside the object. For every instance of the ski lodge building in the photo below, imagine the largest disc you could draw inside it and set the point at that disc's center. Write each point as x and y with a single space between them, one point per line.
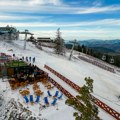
8 33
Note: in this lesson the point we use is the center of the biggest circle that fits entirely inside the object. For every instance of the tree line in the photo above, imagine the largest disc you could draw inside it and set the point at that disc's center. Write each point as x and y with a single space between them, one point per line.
99 55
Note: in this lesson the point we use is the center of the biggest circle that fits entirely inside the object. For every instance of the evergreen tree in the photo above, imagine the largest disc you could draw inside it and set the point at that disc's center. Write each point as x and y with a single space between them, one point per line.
79 48
59 43
83 49
87 110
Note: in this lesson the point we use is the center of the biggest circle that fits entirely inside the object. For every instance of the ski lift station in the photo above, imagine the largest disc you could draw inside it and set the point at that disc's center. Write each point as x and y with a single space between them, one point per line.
8 33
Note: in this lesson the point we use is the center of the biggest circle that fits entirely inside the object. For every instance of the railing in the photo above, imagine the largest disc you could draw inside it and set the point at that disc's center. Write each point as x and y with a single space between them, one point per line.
102 105
61 89
65 92
103 66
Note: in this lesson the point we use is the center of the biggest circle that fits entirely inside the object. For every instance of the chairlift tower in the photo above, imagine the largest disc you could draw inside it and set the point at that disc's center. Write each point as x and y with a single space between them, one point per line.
72 50
26 32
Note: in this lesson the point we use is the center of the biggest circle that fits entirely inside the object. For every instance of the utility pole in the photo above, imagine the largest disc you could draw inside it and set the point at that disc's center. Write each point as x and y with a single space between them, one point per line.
72 50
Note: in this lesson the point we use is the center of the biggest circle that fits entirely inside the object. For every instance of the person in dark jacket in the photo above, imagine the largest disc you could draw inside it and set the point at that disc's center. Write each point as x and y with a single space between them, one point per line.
34 60
30 59
27 59
23 58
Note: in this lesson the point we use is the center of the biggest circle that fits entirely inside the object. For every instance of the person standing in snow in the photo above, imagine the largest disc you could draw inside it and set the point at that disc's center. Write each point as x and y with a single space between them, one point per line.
34 60
13 55
27 59
30 59
23 58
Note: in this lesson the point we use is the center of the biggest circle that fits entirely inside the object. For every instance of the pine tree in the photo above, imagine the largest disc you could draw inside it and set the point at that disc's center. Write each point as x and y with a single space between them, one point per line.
87 110
59 43
79 48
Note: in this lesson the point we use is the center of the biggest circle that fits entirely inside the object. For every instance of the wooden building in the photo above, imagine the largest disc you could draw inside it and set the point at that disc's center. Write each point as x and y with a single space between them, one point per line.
44 39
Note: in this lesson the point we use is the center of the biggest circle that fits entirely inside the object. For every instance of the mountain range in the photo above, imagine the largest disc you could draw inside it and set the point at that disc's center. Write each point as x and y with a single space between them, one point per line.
106 46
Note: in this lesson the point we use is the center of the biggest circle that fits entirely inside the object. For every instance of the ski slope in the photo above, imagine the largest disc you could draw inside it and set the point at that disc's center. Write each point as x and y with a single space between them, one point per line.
106 84
50 113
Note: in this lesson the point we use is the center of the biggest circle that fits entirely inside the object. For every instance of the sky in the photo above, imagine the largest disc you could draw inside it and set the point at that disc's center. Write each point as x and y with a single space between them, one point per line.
77 19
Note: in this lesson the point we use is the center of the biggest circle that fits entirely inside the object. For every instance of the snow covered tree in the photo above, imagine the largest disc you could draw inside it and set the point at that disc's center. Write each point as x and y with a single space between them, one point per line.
59 43
87 110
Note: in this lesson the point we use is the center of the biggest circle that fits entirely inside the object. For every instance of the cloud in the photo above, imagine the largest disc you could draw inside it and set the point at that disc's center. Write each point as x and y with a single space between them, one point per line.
19 17
97 3
99 10
80 34
29 3
44 2
89 31
30 10
104 22
52 7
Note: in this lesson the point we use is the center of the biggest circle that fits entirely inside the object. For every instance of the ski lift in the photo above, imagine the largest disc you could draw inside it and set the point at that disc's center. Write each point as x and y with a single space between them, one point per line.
26 32
112 60
103 57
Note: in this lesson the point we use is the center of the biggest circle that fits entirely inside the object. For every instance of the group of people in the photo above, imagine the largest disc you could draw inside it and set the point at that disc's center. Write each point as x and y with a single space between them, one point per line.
30 73
28 59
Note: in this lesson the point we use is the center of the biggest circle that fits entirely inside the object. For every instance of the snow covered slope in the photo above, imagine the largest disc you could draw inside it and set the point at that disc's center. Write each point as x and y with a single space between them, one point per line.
106 84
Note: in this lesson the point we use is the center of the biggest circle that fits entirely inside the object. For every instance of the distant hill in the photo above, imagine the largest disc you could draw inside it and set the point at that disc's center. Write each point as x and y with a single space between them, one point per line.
107 46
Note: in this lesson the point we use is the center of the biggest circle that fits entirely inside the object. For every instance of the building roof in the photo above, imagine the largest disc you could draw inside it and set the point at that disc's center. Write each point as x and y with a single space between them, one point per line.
16 64
44 38
7 29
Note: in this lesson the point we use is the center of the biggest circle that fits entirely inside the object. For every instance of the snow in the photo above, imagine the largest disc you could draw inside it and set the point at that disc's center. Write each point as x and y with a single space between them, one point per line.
50 113
106 84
